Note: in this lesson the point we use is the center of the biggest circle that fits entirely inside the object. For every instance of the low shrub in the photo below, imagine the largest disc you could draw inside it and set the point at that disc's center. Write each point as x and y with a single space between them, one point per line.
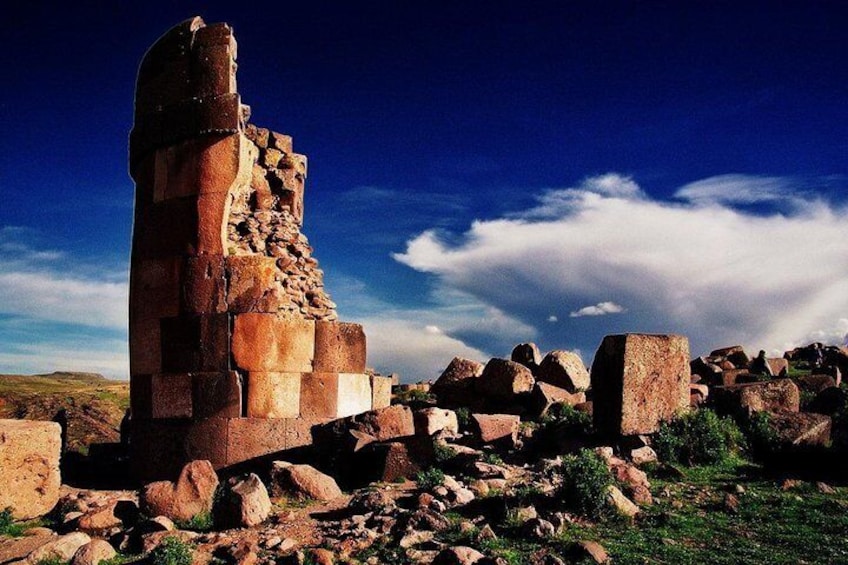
172 551
698 438
443 453
566 417
760 437
200 522
586 480
6 521
430 479
463 417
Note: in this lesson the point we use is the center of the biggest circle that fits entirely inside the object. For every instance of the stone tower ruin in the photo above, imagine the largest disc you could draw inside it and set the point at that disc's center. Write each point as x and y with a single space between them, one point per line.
235 347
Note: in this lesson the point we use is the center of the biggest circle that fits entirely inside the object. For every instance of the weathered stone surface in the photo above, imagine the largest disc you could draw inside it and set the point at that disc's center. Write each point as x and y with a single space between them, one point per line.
161 448
251 278
527 354
171 395
459 555
778 365
504 379
801 428
815 383
29 467
455 386
246 503
339 347
769 396
267 342
192 494
592 550
639 381
303 481
93 553
564 369
195 343
432 421
489 428
623 505
381 392
354 394
273 395
216 395
544 395
387 423
62 548
735 354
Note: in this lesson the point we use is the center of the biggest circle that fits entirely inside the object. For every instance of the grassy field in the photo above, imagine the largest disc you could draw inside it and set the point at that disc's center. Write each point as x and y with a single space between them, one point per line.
93 405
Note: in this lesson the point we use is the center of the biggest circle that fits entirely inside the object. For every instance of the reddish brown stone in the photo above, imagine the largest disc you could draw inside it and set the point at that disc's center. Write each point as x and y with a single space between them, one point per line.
299 431
141 396
381 392
800 428
771 396
504 379
779 366
213 70
387 423
204 286
734 376
255 437
544 395
191 495
171 395
281 141
29 467
638 381
273 395
319 394
339 348
564 369
815 383
160 448
155 288
388 462
270 343
455 386
251 277
489 428
212 223
195 343
216 395
145 347
735 354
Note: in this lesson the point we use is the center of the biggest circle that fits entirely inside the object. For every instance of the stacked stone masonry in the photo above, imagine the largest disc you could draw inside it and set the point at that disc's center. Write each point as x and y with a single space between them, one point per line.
235 347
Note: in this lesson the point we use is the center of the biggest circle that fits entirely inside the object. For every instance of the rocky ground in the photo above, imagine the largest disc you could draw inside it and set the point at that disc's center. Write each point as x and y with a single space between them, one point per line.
754 473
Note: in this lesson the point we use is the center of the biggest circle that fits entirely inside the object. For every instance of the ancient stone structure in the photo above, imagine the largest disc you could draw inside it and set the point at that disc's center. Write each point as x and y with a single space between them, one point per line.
235 348
638 381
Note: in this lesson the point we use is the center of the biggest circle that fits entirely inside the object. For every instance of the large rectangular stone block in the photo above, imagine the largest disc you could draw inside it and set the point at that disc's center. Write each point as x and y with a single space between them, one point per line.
251 279
212 212
195 343
141 396
203 165
339 347
638 381
213 71
145 346
381 392
255 437
171 395
273 395
272 343
354 394
203 285
155 288
319 395
166 229
160 448
216 395
29 467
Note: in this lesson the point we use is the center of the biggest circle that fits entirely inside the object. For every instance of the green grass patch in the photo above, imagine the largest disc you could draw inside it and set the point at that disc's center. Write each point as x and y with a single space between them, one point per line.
698 438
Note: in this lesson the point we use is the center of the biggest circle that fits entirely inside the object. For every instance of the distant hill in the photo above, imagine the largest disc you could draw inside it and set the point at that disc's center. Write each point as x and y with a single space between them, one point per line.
93 404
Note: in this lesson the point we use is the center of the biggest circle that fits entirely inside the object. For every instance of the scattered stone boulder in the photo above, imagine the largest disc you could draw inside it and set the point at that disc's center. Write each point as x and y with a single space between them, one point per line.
93 553
734 354
591 550
638 381
192 494
459 555
769 396
815 383
710 373
829 401
489 428
643 455
623 505
502 379
114 514
779 366
245 504
760 365
564 369
527 354
386 423
432 421
62 548
800 428
545 395
29 467
384 461
455 386
303 481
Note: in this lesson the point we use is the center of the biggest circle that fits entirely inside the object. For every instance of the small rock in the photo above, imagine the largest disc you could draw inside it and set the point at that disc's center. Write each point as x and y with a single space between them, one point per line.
62 548
592 550
621 503
731 503
246 503
415 538
459 555
643 455
93 553
304 481
538 528
825 488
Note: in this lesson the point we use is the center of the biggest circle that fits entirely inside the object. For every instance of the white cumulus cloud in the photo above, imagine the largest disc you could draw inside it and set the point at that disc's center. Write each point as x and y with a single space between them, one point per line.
719 274
599 309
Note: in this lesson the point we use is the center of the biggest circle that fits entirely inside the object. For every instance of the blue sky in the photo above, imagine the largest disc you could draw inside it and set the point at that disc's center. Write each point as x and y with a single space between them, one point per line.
481 174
